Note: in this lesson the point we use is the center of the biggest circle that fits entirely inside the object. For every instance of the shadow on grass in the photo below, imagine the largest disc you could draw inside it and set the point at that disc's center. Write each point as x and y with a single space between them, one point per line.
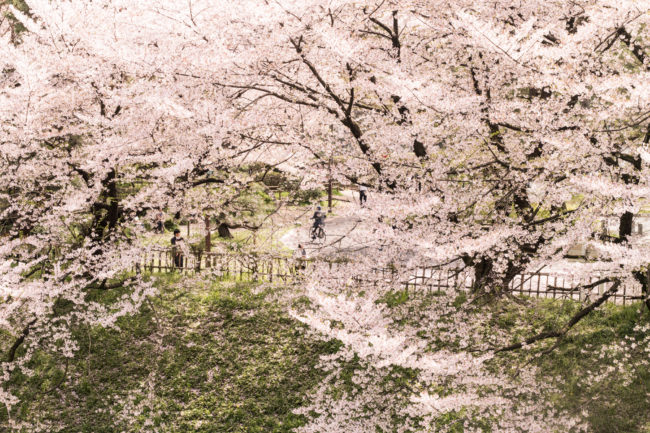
222 358
609 387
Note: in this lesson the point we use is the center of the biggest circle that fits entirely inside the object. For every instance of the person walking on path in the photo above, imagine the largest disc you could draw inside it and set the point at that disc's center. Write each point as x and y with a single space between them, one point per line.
363 196
177 252
302 253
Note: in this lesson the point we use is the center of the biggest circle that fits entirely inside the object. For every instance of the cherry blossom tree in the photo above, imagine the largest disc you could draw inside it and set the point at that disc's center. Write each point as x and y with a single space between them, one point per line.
94 99
493 136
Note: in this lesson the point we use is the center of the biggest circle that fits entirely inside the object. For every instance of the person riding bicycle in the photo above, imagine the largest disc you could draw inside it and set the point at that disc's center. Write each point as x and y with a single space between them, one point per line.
319 219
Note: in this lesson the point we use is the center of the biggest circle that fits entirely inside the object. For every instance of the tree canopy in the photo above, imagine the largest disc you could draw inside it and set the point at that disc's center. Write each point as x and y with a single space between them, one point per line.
493 135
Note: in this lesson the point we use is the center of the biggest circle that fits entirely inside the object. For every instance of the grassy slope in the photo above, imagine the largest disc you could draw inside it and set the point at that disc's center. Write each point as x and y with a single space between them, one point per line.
222 357
219 358
619 402
615 404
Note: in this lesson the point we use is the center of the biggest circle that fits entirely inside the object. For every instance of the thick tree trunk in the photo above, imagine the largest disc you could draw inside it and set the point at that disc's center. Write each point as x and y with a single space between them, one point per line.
483 277
489 284
511 273
114 210
329 189
646 289
644 279
625 226
106 211
224 231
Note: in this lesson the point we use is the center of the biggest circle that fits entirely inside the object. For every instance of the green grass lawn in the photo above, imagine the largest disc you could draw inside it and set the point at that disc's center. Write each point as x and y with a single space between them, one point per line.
608 386
600 373
203 358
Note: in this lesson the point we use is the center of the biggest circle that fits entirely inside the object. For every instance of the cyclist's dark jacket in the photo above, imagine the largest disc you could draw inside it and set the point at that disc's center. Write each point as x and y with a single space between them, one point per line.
318 218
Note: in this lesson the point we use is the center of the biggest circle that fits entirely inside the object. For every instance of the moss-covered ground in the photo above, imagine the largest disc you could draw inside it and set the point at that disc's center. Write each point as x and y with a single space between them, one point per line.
600 370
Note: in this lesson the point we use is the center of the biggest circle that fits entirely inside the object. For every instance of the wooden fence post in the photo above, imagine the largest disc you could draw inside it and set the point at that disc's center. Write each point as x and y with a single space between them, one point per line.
271 272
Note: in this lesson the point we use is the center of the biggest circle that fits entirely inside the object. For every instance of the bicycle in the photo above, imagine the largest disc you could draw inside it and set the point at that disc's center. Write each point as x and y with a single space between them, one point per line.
317 232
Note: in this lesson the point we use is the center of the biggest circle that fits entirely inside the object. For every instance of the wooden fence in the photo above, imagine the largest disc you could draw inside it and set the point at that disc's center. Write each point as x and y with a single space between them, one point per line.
226 266
432 279
536 285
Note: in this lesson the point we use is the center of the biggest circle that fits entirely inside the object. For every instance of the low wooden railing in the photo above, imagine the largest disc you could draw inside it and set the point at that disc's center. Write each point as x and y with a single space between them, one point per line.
243 267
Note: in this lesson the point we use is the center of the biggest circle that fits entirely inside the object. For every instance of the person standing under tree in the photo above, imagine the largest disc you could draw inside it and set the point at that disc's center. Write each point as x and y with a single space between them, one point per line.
177 252
363 196
301 254
160 223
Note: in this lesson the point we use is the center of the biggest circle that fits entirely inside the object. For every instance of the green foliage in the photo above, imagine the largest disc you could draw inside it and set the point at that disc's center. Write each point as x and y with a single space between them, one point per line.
619 403
343 384
395 298
460 300
306 196
16 26
400 379
218 358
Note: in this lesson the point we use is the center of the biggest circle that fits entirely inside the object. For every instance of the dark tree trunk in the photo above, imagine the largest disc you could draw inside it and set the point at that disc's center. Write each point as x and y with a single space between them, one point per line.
644 279
625 226
114 210
483 276
224 231
489 284
329 189
106 211
646 289
511 273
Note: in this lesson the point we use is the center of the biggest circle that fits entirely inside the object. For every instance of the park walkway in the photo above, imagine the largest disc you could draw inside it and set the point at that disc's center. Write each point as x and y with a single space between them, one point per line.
347 235
344 230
